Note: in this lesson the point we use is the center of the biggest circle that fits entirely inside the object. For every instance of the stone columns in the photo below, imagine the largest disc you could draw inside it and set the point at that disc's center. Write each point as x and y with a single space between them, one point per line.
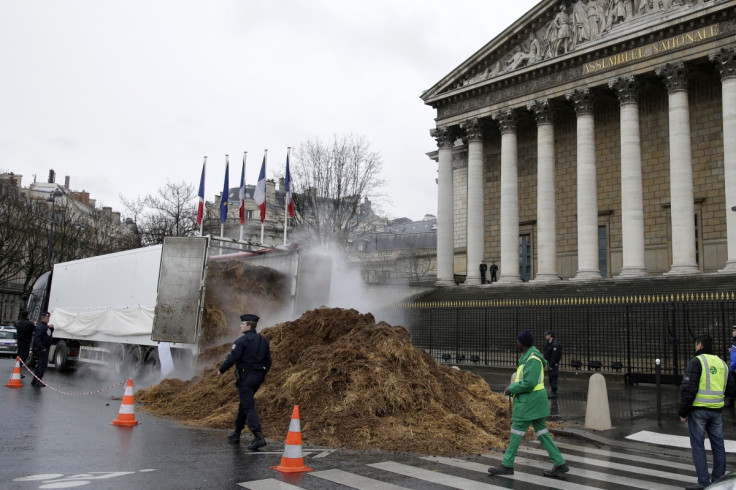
445 214
509 267
674 76
587 203
632 197
546 215
476 222
726 63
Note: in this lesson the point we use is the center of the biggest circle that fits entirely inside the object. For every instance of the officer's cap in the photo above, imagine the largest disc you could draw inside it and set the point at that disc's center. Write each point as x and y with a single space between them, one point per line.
45 313
550 332
249 318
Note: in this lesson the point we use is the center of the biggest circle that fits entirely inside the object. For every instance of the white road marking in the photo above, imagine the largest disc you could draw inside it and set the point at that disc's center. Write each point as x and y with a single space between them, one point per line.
432 476
268 484
673 440
355 481
518 475
632 457
614 466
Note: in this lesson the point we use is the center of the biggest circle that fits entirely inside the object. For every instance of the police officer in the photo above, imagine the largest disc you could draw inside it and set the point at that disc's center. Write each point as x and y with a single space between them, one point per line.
552 353
25 329
42 340
251 354
705 385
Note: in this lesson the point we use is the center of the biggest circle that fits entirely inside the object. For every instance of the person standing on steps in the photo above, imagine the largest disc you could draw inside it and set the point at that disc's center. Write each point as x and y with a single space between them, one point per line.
483 268
494 272
251 355
530 408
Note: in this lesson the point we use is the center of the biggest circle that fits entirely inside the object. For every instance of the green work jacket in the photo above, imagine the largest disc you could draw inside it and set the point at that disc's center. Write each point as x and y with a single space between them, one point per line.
528 404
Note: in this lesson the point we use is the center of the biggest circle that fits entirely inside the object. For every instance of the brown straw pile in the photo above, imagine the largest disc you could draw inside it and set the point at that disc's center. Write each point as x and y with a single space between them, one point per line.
358 384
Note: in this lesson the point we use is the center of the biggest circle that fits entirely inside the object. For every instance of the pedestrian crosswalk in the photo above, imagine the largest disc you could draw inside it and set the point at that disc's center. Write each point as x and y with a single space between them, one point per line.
590 467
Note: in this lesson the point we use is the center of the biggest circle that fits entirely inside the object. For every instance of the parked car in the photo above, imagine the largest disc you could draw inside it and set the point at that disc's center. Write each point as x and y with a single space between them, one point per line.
8 342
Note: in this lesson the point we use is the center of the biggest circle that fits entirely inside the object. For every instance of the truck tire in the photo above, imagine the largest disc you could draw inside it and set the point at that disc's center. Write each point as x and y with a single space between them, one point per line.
61 354
135 360
153 363
118 360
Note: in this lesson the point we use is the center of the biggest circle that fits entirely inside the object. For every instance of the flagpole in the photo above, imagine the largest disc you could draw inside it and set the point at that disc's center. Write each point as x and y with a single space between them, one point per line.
242 197
265 160
286 200
204 211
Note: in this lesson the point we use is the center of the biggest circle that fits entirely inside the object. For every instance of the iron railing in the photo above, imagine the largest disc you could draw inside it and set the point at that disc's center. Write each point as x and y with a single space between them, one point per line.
616 335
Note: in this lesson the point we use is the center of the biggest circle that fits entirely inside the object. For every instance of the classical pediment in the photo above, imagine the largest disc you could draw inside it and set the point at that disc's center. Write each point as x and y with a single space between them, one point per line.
555 30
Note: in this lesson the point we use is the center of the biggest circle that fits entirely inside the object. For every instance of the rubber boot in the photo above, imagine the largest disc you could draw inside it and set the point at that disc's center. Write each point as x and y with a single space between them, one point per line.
258 440
234 437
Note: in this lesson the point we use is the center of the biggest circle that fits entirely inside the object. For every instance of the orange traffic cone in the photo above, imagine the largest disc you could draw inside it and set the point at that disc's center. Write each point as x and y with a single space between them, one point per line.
292 461
126 414
14 381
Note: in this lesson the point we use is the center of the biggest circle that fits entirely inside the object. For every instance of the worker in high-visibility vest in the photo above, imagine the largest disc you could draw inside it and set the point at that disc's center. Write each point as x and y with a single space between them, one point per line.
530 408
705 386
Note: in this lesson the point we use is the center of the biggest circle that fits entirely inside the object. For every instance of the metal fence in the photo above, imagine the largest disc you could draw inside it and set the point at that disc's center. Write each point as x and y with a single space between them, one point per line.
616 335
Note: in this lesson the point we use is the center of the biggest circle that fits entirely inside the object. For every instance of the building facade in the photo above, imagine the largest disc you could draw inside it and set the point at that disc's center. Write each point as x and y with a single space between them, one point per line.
591 139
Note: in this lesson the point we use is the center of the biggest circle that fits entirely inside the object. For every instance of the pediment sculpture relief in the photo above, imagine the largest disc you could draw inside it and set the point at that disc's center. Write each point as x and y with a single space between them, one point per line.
572 26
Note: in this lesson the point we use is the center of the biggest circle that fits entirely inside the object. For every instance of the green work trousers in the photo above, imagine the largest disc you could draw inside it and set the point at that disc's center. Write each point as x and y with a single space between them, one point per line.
518 429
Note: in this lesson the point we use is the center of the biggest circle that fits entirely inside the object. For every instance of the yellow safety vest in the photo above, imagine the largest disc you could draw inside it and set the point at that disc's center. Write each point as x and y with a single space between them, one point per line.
713 378
520 373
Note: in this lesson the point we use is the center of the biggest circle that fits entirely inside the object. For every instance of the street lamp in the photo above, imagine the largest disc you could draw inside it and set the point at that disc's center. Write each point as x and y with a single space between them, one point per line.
52 200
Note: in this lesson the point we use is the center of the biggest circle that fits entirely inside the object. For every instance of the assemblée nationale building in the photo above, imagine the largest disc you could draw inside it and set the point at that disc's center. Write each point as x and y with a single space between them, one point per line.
591 139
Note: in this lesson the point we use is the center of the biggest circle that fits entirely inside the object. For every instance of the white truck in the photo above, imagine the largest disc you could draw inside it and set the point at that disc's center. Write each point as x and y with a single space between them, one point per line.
120 309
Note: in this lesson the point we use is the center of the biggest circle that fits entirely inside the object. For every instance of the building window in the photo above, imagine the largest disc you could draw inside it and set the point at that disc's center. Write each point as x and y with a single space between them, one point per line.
603 251
525 257
248 214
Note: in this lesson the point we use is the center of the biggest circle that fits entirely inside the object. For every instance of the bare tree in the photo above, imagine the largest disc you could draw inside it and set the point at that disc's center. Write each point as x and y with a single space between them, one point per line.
171 212
330 181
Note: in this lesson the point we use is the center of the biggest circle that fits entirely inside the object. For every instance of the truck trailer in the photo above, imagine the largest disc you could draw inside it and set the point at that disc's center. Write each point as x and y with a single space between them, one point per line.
130 309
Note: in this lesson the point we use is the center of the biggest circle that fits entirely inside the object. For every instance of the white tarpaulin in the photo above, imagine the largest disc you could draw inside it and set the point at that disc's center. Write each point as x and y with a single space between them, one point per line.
113 322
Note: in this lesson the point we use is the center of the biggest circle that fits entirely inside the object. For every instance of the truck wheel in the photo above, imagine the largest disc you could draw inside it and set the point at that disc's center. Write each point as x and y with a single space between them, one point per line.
118 365
135 359
61 353
153 363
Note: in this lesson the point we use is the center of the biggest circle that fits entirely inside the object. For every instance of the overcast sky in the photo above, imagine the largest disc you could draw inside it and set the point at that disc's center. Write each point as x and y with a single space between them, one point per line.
123 95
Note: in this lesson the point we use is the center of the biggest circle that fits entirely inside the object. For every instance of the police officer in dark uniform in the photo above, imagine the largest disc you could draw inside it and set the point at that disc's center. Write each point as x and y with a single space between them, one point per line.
552 353
251 354
25 329
42 341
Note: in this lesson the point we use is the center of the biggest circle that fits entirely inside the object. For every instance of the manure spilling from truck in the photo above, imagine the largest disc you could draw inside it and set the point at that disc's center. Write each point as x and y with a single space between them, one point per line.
359 385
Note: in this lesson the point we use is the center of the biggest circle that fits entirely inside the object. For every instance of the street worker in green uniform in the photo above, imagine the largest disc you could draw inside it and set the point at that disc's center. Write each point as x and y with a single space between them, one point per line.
530 408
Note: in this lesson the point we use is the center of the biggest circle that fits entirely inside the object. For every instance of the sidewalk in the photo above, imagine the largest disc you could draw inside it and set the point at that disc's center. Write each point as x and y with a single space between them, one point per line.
633 410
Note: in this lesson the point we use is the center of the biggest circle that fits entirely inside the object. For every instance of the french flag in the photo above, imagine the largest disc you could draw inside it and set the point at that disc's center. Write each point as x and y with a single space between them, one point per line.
289 197
259 196
200 208
241 193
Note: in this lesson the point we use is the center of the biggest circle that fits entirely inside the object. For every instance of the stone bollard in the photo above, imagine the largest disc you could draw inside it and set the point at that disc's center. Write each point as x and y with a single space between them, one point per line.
597 412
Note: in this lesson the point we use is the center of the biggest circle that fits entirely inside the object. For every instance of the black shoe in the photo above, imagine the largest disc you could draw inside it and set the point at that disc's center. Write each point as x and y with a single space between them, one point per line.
234 437
22 376
697 486
500 470
33 383
557 470
258 441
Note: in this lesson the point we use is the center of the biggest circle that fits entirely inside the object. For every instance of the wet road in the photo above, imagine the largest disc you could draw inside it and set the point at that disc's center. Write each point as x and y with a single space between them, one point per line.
57 440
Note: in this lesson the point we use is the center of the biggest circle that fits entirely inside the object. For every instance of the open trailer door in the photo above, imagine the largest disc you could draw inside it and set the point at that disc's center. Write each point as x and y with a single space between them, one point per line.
180 299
